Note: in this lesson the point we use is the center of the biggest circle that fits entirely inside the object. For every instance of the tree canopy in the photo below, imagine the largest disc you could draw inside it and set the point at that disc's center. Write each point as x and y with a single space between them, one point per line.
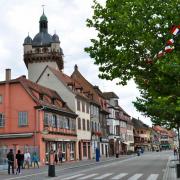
130 33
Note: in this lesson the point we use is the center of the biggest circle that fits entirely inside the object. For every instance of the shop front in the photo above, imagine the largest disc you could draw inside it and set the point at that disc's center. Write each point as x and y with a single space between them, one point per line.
85 149
65 146
104 147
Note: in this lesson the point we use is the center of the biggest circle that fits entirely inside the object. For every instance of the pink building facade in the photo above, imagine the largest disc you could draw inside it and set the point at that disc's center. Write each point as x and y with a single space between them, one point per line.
34 116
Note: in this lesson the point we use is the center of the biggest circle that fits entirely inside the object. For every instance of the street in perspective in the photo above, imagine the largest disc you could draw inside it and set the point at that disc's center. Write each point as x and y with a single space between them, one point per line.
147 166
90 90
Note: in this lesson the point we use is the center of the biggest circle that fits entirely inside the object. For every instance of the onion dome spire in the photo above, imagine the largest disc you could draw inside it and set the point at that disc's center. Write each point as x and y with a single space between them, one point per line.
43 23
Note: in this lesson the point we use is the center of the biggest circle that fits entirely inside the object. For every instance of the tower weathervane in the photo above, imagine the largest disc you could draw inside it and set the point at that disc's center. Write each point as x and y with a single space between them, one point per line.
43 8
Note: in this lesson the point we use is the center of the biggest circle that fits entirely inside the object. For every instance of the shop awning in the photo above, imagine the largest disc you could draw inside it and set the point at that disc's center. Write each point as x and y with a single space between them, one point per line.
20 135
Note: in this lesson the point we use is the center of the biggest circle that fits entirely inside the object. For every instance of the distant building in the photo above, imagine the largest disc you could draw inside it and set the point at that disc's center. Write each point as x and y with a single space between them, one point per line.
142 135
167 137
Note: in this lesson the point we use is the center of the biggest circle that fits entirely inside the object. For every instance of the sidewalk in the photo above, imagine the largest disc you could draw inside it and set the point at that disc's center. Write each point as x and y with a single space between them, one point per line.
170 172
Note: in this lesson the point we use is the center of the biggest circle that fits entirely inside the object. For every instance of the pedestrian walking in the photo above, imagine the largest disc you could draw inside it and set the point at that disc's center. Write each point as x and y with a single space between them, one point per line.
35 159
10 157
55 157
27 159
19 162
175 151
60 156
22 160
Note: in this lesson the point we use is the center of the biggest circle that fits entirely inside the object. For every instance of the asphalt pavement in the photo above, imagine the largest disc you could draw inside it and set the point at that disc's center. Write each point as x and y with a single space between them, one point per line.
148 166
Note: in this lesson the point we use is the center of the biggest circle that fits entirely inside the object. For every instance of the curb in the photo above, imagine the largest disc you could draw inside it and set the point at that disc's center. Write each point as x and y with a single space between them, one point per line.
166 173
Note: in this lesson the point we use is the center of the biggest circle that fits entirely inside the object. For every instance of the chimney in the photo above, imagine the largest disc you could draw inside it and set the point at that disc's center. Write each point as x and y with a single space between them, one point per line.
8 74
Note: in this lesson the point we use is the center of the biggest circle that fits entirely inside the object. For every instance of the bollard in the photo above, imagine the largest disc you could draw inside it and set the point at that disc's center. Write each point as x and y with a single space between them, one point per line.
178 170
51 166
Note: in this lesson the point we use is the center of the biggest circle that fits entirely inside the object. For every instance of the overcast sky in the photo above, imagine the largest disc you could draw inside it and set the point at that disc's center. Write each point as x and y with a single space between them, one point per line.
68 19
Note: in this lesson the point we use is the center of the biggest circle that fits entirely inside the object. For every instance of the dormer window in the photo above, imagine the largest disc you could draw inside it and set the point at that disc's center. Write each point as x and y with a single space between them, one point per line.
53 101
41 97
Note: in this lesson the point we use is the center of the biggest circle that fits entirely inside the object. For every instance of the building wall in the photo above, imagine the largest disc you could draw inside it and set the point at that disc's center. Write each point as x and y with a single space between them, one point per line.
130 138
14 101
35 69
48 79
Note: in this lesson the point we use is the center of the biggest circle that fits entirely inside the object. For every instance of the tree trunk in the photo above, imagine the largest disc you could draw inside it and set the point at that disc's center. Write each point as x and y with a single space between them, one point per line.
178 144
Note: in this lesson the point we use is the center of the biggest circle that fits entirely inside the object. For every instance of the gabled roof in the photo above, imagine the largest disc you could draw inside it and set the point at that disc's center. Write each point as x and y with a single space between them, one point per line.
110 95
160 129
121 109
68 81
35 90
139 124
91 88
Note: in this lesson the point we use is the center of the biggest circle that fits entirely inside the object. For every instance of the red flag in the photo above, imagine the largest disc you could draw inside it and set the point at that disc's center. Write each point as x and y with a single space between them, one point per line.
169 49
170 42
160 54
174 30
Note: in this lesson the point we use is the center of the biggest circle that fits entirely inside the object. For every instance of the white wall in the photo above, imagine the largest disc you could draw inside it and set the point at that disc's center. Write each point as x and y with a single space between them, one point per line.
50 80
35 69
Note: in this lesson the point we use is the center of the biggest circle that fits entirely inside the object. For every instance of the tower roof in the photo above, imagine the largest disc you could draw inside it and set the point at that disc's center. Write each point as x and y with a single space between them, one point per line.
42 39
43 17
55 38
27 40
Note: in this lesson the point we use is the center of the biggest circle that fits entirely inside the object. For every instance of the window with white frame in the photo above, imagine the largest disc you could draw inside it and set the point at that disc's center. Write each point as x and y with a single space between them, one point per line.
2 120
22 118
72 150
83 106
87 108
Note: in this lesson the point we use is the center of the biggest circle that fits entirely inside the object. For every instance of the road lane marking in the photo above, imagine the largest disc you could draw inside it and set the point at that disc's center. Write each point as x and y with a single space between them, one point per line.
72 177
153 177
119 176
103 176
88 176
135 177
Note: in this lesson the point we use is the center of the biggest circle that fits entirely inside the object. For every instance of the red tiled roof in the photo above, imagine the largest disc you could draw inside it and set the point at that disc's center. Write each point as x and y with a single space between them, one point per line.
109 95
68 81
34 89
90 89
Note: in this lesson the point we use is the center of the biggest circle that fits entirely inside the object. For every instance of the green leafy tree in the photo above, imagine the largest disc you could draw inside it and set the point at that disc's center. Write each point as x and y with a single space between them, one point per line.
130 33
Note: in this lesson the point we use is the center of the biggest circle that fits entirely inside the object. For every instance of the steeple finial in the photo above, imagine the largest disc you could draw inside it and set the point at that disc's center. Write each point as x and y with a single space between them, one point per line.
43 8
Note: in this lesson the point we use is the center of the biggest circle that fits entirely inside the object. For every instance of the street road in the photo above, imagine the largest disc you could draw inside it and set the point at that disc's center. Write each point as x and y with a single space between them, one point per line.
148 166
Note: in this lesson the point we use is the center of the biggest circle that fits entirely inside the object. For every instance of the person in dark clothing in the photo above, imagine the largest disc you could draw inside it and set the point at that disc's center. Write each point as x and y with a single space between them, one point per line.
60 156
10 157
56 157
22 160
19 162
